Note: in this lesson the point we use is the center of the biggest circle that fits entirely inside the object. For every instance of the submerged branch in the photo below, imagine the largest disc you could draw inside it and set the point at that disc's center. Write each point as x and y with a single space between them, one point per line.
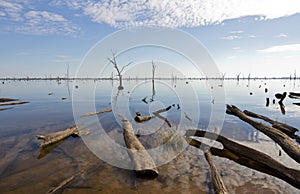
96 113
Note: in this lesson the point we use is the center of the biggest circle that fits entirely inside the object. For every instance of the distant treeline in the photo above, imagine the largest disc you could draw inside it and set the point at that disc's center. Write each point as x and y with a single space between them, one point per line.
150 78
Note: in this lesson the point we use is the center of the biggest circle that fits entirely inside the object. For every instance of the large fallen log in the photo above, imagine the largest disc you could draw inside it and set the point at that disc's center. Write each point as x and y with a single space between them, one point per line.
57 136
216 178
245 156
144 165
287 129
287 144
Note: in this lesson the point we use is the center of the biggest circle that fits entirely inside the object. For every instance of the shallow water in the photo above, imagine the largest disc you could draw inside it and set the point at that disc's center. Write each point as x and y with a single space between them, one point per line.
25 168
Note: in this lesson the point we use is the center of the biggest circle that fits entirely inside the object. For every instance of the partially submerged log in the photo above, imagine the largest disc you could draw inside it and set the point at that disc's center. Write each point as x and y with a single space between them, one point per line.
96 113
57 136
294 95
287 129
282 98
139 118
144 165
7 99
245 156
13 103
216 178
1 109
287 144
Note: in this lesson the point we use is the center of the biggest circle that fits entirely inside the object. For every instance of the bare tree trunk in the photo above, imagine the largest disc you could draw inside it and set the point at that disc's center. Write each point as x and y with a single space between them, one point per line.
287 144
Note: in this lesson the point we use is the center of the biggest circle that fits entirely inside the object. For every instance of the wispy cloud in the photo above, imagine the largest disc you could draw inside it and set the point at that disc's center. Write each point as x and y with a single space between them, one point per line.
231 37
23 17
43 22
65 59
236 32
281 48
177 13
282 35
231 57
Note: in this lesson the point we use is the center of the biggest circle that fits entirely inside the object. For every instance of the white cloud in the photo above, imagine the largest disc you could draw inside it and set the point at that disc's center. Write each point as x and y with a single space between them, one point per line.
281 35
281 48
251 36
65 59
178 13
11 9
236 32
231 57
232 37
43 23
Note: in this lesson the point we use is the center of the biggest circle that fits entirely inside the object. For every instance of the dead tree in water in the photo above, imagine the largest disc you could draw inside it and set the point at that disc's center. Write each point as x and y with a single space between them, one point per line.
153 77
119 71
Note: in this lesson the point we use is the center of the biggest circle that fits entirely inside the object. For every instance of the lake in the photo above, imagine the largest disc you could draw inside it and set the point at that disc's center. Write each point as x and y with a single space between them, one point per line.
96 166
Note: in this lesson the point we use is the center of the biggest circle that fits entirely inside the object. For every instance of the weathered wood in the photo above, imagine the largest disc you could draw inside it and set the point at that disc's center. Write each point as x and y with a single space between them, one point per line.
13 103
7 99
141 118
287 129
157 114
61 185
1 109
245 156
287 144
294 95
216 178
144 165
96 113
187 117
57 136
282 98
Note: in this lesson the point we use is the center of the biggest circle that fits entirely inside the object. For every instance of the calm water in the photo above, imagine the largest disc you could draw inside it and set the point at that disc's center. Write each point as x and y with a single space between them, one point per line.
25 168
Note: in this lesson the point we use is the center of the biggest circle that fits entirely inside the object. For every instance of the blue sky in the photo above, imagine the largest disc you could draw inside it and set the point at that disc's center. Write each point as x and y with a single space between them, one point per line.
40 37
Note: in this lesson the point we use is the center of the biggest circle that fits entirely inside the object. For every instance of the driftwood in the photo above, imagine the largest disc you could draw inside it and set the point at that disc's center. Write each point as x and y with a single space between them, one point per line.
64 183
57 136
1 109
144 165
96 113
294 95
245 156
157 114
287 129
287 144
7 99
297 103
187 117
13 103
216 178
139 118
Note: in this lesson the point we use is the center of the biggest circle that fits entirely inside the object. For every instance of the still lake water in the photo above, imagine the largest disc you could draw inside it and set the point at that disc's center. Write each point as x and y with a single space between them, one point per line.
25 168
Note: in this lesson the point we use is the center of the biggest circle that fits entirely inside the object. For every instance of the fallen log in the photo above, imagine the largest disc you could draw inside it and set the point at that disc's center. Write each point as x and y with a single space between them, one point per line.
294 95
1 109
144 165
139 118
287 144
96 113
216 178
13 103
287 129
57 136
7 99
245 156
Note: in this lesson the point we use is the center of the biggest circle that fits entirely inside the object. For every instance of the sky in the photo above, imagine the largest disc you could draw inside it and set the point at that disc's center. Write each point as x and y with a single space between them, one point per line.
40 38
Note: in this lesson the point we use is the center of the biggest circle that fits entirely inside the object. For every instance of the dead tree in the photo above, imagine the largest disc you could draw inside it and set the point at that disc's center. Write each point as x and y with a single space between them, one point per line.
119 71
153 77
